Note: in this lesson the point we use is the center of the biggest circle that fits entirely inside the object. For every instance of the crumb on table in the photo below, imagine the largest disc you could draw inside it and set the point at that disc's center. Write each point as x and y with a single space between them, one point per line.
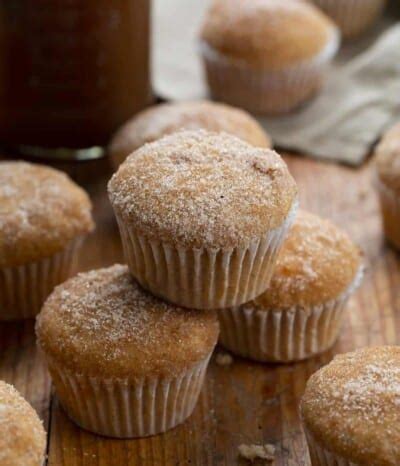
257 452
224 359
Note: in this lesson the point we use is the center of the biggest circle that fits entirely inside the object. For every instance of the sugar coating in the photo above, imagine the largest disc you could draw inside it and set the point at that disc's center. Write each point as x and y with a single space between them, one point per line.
102 323
266 33
352 406
317 263
22 437
41 210
387 158
202 189
160 120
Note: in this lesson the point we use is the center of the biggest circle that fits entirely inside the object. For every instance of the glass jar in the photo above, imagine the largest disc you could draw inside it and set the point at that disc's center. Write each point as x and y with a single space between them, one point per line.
71 72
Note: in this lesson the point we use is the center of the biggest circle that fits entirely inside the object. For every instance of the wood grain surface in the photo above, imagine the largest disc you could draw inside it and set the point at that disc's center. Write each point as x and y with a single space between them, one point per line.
242 403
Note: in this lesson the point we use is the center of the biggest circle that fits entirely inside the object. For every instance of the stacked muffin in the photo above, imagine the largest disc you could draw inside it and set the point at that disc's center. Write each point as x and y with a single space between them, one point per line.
301 312
124 364
202 217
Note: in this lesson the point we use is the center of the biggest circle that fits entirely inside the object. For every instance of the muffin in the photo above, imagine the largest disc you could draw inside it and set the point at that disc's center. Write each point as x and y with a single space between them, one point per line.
353 17
160 120
123 363
43 217
301 312
202 216
266 56
350 409
387 163
22 437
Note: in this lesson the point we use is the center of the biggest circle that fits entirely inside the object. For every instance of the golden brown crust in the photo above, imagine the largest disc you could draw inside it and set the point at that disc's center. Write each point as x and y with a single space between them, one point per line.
351 406
317 263
267 33
41 210
201 189
22 437
102 324
387 158
160 120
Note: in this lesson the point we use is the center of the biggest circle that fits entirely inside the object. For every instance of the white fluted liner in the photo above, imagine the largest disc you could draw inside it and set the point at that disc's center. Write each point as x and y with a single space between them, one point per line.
24 289
390 208
203 278
283 335
126 409
321 457
266 91
352 16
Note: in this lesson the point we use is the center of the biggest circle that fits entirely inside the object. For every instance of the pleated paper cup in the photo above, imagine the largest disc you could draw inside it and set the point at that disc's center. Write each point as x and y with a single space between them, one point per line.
390 208
322 457
23 289
284 335
124 408
352 16
266 91
203 278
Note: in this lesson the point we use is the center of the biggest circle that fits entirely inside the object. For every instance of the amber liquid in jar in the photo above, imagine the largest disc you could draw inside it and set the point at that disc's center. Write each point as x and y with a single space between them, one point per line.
71 72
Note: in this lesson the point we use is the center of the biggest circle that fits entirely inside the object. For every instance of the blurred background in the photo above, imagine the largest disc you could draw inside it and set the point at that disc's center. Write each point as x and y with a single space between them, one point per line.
72 72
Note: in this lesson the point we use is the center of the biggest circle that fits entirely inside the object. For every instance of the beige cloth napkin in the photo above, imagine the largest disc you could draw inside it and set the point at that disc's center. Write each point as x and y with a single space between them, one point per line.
360 99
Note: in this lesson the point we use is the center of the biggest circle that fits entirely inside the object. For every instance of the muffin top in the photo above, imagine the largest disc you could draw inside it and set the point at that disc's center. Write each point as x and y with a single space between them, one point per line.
160 120
316 264
267 33
201 189
387 158
22 437
352 405
41 210
102 323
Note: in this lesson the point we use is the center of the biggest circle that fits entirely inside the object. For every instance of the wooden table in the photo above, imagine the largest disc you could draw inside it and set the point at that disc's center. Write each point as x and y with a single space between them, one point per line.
242 403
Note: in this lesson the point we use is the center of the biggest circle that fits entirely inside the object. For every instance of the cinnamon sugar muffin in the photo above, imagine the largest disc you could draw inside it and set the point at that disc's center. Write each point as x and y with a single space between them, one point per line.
202 216
387 162
266 56
43 217
160 120
301 312
22 437
353 17
350 409
124 364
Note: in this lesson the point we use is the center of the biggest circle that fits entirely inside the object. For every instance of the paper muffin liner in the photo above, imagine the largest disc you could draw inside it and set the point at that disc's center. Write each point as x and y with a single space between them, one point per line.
284 335
390 208
203 278
124 408
23 289
263 91
321 457
352 16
